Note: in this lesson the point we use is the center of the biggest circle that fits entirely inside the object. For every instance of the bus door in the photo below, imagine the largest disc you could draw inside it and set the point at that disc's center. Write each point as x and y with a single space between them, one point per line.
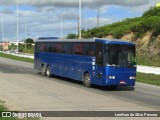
99 71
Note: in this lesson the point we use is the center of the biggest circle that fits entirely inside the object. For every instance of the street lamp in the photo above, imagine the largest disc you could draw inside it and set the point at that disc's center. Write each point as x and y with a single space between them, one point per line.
2 34
86 24
61 26
25 36
98 10
17 28
80 19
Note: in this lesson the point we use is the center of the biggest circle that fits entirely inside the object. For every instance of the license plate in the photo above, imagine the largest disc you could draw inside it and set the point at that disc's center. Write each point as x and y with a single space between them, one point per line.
122 82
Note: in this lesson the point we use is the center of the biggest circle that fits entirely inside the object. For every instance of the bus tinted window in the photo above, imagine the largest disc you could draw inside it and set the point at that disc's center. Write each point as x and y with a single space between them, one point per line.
58 48
42 47
50 47
77 48
89 49
67 48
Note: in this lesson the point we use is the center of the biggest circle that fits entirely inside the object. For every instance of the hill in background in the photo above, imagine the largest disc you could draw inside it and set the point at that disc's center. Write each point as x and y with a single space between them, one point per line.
144 31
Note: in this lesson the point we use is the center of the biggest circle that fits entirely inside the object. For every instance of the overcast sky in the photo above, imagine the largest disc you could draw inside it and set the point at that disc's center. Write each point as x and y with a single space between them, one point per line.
43 17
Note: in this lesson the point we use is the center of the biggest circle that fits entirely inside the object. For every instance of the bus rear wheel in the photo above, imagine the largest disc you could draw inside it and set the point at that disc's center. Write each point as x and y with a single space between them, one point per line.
43 70
87 80
48 71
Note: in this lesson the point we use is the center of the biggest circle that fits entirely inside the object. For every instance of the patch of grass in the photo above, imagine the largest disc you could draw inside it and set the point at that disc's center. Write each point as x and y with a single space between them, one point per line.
16 58
154 61
3 108
148 78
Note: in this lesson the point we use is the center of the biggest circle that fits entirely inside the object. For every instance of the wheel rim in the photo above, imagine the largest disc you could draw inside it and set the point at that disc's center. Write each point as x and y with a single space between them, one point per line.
43 69
48 72
87 79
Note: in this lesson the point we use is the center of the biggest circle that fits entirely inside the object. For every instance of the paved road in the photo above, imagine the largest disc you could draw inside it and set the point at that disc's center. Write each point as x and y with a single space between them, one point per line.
24 89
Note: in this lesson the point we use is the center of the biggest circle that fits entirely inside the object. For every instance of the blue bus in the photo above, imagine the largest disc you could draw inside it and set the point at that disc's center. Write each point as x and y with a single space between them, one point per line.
94 61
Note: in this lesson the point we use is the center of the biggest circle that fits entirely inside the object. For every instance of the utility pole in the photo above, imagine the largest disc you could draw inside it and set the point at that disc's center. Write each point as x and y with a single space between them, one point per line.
86 24
17 28
98 10
78 25
80 19
2 34
25 36
61 26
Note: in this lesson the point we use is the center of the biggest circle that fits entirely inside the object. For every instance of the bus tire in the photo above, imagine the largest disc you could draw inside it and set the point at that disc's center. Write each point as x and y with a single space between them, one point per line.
48 71
43 70
87 80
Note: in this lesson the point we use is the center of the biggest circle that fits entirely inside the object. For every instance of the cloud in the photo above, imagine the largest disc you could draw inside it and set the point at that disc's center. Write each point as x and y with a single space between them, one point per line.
74 3
92 22
6 11
45 18
89 3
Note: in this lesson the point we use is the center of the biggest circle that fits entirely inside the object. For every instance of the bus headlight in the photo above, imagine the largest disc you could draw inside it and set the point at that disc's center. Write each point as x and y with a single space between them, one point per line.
131 77
111 77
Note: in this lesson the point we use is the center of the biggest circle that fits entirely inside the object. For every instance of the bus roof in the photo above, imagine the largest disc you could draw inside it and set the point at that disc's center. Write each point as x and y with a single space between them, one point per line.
101 40
47 38
114 41
67 40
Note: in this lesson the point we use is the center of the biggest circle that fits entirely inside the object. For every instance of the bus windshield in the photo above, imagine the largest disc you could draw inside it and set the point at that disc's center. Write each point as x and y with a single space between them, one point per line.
120 55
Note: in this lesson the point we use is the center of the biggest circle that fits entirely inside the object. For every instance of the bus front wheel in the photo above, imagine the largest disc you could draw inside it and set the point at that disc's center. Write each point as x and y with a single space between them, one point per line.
48 71
43 70
87 80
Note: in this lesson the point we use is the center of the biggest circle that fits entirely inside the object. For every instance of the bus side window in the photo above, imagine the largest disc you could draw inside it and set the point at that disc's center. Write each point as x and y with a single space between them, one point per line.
49 47
42 47
77 48
86 49
58 48
99 54
52 47
67 48
91 50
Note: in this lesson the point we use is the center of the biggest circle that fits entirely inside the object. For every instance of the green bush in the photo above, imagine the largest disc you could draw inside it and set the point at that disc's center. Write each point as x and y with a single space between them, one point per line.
150 21
153 11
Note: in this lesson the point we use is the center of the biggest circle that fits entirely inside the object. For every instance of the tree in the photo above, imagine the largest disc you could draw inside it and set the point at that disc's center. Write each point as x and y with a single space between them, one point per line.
29 41
71 36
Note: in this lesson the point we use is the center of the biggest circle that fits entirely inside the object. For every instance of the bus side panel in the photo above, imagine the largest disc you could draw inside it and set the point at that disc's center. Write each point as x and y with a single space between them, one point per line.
98 76
66 63
70 66
79 65
36 61
39 60
65 66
